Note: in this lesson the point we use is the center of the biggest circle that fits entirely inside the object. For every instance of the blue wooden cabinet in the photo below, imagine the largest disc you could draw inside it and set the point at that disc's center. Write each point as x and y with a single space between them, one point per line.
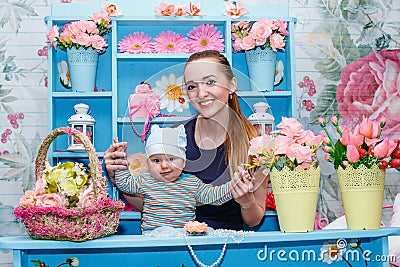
119 73
251 249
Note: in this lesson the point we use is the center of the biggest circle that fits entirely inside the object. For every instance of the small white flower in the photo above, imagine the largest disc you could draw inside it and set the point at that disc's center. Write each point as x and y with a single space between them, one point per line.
172 93
279 72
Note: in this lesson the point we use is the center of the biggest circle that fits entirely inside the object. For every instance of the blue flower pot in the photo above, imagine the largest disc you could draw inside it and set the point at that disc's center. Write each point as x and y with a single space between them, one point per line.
261 64
82 67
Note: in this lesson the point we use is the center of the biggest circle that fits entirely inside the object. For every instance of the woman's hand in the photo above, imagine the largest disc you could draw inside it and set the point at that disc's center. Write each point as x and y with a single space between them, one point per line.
251 194
115 158
242 187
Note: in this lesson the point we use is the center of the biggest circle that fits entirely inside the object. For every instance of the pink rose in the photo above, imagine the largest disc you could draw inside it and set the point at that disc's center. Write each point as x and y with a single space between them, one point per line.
86 199
40 185
282 27
289 126
260 31
276 41
369 88
52 35
257 144
51 200
237 45
248 43
29 199
299 153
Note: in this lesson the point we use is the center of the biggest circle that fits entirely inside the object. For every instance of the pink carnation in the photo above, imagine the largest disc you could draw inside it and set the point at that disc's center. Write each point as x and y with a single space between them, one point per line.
29 199
289 126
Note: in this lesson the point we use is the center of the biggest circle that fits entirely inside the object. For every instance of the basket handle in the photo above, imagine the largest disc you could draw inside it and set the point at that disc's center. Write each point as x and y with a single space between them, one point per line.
95 170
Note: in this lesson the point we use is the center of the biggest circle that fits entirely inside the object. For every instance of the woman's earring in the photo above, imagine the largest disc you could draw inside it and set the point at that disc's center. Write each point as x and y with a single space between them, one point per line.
230 96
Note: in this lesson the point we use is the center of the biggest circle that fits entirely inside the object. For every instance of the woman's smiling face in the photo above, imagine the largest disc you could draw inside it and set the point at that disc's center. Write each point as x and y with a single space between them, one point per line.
208 87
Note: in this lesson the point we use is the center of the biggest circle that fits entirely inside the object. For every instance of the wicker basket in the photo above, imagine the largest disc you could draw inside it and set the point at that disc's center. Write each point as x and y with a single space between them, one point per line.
76 223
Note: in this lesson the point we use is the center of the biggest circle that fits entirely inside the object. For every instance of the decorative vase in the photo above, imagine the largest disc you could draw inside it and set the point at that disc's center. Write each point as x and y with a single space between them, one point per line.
261 66
296 196
362 192
82 67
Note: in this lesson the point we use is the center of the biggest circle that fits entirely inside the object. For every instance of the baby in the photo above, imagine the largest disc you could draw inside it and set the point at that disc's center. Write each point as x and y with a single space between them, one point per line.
169 195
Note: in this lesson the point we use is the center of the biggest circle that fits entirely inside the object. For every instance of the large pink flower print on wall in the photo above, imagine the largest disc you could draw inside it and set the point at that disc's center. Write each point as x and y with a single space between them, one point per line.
371 87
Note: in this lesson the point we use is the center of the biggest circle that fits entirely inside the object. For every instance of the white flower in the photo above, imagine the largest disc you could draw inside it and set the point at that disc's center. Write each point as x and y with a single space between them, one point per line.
172 93
279 72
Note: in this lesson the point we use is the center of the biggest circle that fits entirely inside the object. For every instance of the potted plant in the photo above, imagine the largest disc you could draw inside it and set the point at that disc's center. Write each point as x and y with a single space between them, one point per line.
360 156
289 156
260 41
83 40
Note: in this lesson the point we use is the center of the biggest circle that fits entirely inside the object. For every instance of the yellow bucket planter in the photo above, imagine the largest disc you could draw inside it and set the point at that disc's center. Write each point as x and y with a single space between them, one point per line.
296 196
362 192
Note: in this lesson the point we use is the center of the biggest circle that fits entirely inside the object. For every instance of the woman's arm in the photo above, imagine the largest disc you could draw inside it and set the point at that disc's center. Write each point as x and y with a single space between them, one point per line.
251 195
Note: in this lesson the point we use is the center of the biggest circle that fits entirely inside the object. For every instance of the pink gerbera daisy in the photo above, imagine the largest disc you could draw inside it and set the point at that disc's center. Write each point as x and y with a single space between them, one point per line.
205 37
170 42
135 43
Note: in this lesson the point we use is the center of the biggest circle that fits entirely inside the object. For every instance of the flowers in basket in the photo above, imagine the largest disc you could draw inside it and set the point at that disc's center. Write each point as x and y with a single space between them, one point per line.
264 33
290 146
361 145
65 185
83 33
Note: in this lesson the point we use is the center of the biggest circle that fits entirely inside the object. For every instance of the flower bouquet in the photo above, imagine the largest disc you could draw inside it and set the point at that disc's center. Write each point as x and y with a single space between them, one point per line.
83 40
290 157
260 41
68 202
360 156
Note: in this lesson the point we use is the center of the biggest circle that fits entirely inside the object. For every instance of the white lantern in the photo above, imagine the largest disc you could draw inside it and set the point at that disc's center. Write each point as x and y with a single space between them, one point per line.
261 119
82 122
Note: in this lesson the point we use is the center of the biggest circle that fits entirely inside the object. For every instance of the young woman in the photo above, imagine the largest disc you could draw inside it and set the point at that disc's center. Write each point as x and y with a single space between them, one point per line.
217 143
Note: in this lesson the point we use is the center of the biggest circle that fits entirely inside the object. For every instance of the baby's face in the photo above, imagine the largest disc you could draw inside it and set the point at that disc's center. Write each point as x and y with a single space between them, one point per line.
166 168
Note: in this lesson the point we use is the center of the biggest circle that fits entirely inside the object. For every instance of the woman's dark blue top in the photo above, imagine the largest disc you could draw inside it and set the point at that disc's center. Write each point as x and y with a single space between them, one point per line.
211 167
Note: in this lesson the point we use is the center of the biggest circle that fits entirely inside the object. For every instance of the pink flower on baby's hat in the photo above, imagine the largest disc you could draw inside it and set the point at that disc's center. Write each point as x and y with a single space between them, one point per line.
205 37
170 42
136 43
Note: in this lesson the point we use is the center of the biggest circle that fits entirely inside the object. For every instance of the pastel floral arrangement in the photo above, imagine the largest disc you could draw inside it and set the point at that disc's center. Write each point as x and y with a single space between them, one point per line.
178 10
64 185
290 146
264 33
360 145
85 33
203 37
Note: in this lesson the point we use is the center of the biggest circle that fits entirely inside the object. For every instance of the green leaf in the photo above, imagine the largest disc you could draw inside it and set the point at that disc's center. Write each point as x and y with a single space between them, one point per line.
326 105
8 99
340 154
14 11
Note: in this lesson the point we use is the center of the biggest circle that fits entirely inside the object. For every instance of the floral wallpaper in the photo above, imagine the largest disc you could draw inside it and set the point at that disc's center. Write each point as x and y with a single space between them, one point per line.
345 66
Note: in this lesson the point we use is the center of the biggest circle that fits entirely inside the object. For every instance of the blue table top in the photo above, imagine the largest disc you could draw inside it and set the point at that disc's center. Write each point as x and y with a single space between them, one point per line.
134 241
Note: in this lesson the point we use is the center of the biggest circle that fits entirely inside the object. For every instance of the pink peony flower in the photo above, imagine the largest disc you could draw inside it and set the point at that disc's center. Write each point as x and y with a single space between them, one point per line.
29 199
135 43
205 37
86 199
289 126
51 200
170 42
369 88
